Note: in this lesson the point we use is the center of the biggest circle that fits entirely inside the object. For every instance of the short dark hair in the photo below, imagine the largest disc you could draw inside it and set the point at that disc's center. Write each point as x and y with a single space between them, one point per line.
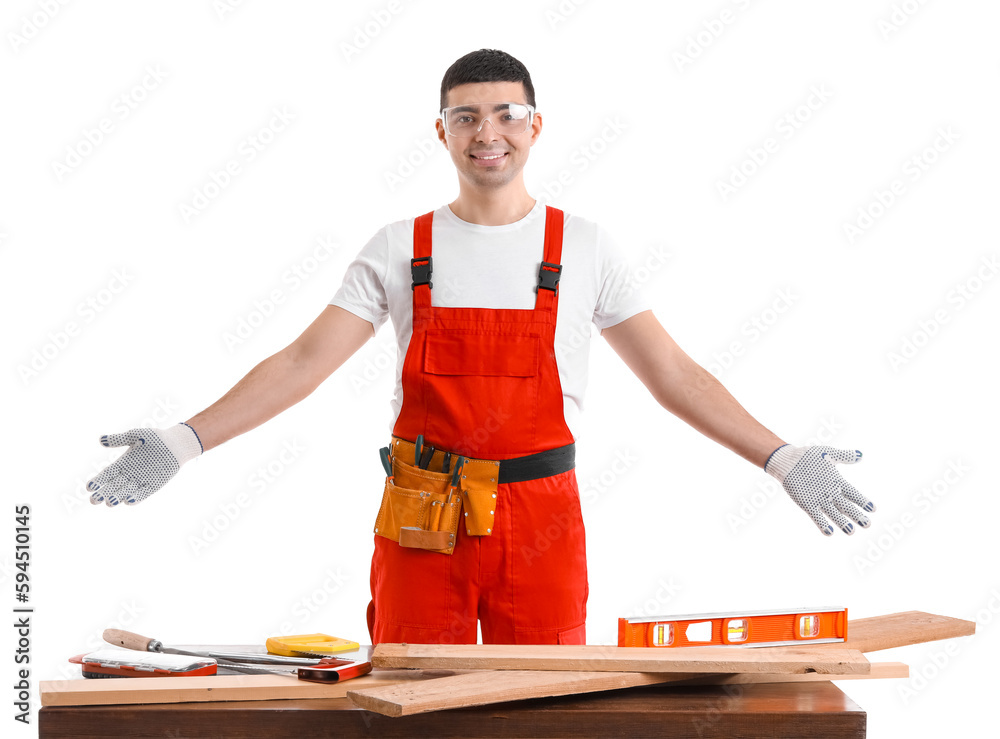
487 65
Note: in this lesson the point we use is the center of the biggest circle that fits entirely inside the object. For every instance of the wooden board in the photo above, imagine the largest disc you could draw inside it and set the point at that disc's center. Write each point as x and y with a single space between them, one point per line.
618 659
484 688
900 630
130 691
494 686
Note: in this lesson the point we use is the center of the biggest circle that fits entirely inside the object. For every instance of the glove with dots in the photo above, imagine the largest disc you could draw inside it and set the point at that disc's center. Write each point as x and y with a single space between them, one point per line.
152 458
811 480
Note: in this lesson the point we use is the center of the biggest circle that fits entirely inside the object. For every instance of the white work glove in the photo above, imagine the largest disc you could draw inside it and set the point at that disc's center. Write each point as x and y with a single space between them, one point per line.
152 458
810 479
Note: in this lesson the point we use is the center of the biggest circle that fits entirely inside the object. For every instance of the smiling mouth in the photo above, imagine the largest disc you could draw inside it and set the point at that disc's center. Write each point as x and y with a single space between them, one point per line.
489 157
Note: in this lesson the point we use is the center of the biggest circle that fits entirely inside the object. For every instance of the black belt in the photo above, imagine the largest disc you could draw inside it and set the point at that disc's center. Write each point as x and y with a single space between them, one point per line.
536 466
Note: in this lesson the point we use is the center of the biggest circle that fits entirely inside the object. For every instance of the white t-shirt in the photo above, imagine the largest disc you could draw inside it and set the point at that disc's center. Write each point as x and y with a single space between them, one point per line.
479 266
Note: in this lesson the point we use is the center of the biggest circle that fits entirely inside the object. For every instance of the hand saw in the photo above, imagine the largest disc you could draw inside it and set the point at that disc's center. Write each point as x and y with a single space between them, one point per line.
326 669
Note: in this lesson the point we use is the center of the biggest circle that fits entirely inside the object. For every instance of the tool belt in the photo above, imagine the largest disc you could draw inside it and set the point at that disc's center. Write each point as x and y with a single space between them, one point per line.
415 508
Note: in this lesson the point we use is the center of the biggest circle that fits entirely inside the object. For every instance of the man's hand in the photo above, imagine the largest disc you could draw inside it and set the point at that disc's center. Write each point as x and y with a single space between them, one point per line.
811 480
152 458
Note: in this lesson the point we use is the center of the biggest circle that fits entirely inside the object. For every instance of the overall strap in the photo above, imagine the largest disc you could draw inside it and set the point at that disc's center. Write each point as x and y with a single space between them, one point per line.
421 265
550 270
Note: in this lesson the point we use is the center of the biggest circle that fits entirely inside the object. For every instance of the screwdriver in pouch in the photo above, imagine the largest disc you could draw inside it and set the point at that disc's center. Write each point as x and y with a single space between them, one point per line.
386 462
459 464
418 447
438 509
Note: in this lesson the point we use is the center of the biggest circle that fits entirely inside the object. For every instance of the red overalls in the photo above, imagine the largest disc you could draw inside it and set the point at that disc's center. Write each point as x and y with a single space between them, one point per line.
483 383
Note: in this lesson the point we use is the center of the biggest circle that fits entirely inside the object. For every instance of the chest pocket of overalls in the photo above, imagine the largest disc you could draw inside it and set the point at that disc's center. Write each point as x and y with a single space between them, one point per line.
484 354
483 381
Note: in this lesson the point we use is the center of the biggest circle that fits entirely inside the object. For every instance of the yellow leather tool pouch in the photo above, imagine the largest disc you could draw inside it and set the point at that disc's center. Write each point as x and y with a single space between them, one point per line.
413 510
478 484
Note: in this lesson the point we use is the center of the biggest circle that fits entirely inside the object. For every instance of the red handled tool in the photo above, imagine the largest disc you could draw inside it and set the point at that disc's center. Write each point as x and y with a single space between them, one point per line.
325 670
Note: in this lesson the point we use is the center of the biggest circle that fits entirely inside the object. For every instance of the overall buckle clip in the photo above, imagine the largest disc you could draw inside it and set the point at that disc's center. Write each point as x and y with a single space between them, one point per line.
548 276
420 271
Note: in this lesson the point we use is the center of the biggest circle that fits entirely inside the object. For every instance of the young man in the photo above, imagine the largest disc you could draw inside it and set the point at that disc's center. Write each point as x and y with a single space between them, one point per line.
491 373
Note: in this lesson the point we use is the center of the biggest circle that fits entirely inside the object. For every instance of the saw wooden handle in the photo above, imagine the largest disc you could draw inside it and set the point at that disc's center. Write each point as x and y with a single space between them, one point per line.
127 639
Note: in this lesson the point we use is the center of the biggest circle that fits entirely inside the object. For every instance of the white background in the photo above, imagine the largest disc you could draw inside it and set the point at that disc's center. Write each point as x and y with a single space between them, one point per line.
675 523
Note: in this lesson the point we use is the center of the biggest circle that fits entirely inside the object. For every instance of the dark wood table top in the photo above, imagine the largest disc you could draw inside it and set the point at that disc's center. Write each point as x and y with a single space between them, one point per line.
818 709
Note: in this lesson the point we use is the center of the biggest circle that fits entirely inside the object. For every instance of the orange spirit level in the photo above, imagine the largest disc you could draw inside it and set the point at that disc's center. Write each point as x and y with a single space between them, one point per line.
747 628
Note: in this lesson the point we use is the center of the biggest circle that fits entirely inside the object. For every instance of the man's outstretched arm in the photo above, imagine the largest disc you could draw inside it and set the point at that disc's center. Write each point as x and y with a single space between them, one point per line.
687 389
279 382
692 394
285 378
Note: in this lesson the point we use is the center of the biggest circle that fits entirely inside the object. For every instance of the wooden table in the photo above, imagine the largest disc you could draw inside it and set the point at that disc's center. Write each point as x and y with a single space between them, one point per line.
797 710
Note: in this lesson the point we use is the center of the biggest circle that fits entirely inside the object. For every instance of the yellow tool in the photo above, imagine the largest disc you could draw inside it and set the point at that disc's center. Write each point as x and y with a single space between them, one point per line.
312 644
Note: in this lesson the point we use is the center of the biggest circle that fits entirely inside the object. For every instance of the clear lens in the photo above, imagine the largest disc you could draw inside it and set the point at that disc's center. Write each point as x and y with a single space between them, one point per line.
506 118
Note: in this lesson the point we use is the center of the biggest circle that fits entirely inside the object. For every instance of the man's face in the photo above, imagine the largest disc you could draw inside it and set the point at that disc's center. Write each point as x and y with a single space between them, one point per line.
488 159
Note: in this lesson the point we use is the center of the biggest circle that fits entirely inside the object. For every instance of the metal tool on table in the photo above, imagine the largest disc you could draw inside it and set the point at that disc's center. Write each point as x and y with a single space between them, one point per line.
326 669
793 627
113 663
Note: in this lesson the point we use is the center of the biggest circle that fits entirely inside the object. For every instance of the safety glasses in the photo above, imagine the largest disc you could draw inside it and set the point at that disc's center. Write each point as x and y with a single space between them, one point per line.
507 119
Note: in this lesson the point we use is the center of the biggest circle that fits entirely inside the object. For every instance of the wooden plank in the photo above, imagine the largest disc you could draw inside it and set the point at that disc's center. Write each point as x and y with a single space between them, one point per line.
583 658
485 688
131 691
879 671
494 686
900 630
